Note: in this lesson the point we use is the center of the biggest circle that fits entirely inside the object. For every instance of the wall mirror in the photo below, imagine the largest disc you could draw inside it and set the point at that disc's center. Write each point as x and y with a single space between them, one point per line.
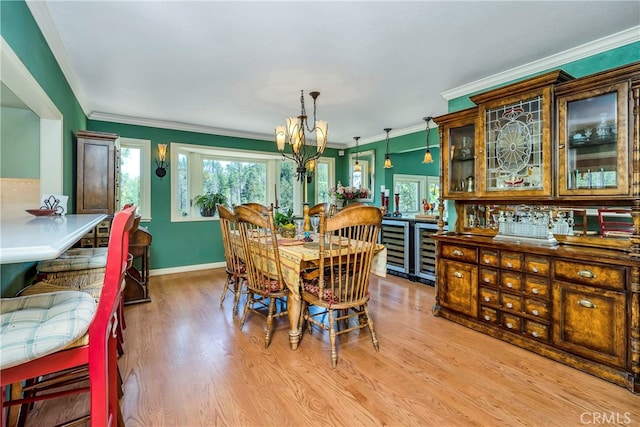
365 177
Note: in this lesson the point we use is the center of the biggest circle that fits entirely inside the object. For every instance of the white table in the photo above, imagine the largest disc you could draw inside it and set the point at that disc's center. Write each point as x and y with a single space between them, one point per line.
28 238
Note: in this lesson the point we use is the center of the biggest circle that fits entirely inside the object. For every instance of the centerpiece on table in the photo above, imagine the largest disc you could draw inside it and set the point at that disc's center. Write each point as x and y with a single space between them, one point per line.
345 194
284 222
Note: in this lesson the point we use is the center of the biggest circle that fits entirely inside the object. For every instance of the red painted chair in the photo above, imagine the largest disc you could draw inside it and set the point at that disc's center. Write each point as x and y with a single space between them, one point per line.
62 321
615 222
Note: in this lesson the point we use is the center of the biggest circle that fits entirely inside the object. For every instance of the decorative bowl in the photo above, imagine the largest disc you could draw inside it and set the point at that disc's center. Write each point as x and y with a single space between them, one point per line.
41 212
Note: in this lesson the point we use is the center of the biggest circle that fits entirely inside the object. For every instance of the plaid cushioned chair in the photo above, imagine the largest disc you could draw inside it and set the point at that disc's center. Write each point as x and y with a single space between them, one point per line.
341 283
57 325
265 284
235 268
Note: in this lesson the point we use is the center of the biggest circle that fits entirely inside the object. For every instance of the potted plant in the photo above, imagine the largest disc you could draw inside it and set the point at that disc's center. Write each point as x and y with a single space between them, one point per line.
207 202
284 222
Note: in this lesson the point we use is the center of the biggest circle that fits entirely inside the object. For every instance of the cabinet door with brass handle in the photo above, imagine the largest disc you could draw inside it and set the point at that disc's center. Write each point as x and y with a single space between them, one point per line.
589 321
459 285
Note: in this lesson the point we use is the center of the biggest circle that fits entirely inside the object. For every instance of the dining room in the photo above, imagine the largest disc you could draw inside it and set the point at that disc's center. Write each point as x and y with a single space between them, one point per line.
190 349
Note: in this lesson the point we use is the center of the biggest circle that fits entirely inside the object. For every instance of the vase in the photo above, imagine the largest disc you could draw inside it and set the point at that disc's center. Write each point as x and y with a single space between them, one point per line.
339 203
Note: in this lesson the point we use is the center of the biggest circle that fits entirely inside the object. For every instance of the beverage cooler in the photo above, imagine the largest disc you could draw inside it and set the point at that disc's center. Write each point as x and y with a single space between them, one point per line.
411 251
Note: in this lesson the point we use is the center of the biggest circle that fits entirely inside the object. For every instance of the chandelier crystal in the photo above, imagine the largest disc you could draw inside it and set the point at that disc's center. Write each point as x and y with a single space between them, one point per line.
303 151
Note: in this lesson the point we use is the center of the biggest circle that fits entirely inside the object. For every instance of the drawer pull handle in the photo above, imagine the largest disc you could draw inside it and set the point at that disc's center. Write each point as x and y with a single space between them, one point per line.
487 299
486 280
535 269
510 325
509 264
588 274
586 303
487 261
487 318
458 252
535 291
535 312
509 305
458 275
509 285
535 334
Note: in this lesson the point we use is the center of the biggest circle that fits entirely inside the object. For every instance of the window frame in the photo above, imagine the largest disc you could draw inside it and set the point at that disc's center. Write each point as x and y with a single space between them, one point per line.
229 154
331 176
144 145
423 186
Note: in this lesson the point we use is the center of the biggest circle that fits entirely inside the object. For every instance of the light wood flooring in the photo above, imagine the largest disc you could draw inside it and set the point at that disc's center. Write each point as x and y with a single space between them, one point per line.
187 363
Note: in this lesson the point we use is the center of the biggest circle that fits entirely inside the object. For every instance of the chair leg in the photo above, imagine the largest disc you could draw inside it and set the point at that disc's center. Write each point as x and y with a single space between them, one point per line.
238 291
370 323
15 412
332 338
225 289
246 308
272 309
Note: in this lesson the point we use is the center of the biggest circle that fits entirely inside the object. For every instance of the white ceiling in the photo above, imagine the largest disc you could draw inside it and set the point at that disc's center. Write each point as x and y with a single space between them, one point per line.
237 67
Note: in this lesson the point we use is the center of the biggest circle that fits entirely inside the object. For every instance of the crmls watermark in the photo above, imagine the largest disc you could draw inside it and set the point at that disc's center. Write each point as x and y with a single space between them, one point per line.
605 418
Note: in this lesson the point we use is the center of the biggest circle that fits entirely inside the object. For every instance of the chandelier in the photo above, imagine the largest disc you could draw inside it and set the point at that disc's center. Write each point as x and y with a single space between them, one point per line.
428 158
303 151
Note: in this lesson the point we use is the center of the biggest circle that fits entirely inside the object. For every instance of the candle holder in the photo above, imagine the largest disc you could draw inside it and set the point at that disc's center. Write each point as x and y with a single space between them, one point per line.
397 200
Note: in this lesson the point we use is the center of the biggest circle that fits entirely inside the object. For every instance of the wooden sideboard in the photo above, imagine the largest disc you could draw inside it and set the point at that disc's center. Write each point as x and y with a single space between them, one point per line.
528 151
576 305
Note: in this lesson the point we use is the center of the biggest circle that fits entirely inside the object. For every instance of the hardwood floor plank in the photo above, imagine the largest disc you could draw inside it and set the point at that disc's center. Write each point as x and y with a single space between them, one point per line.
188 363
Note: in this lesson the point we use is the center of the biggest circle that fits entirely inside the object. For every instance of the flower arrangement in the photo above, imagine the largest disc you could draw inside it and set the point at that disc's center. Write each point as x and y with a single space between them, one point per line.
341 192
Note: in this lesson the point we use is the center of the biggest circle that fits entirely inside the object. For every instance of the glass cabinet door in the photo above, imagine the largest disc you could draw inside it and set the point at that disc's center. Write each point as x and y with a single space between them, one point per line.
461 178
592 142
459 153
517 159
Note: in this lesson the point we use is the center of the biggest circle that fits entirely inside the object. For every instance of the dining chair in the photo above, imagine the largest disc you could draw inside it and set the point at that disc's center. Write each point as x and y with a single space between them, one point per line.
235 267
615 222
316 209
265 284
341 285
48 333
354 205
259 207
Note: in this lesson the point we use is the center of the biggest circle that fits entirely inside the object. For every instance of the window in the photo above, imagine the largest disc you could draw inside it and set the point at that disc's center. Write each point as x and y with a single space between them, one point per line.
324 179
242 176
414 188
135 175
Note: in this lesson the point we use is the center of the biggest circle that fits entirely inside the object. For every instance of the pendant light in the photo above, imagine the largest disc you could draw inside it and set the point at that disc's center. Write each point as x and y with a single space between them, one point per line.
387 159
428 158
357 167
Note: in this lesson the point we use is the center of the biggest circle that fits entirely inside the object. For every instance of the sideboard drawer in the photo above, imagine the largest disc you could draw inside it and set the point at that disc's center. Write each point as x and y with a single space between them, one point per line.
608 276
459 253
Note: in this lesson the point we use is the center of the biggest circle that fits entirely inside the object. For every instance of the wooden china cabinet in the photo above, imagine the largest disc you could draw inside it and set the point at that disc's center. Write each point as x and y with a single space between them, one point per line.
97 180
521 168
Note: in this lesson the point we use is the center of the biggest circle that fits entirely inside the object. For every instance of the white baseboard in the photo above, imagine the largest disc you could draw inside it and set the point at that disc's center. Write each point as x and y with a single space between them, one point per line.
186 268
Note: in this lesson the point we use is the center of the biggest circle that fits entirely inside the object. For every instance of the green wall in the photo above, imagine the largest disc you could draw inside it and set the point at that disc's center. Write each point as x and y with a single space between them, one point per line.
199 242
181 244
20 31
19 139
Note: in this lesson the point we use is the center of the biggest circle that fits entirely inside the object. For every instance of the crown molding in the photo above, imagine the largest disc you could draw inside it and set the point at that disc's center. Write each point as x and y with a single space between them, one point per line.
604 44
43 19
186 127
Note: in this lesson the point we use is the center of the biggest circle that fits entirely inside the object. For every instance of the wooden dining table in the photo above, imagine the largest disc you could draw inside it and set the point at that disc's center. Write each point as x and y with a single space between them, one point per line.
297 256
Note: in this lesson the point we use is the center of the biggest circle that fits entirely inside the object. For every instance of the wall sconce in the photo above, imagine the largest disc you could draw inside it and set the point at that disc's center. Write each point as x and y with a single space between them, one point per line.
428 158
161 161
387 159
357 167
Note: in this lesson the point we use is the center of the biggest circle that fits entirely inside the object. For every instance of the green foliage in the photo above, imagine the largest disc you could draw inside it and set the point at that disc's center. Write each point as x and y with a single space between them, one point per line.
209 200
282 219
